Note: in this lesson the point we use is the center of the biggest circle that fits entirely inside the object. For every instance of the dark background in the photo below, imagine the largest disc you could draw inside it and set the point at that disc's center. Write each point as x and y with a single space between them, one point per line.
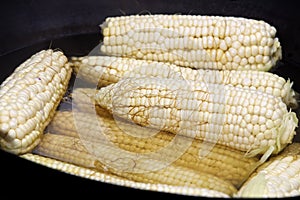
27 26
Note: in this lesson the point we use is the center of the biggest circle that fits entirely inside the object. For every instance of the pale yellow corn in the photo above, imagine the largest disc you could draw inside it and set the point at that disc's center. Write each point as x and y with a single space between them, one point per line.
104 70
247 120
29 98
279 177
223 162
72 150
207 42
113 179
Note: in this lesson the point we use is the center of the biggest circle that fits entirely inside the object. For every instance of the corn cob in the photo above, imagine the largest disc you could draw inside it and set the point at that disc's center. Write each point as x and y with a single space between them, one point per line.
220 159
71 150
207 42
29 98
105 70
278 177
110 178
247 120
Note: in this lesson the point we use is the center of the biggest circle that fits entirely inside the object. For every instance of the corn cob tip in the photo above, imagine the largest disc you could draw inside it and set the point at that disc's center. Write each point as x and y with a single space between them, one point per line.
104 99
294 100
287 129
276 50
285 134
103 25
292 97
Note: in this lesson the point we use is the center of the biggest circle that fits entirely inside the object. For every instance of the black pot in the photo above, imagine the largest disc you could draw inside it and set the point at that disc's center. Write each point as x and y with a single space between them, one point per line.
73 26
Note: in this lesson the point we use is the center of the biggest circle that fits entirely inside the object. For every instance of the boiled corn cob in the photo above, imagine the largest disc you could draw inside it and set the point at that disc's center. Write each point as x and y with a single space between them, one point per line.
72 150
278 177
110 178
247 120
29 98
206 42
221 161
104 70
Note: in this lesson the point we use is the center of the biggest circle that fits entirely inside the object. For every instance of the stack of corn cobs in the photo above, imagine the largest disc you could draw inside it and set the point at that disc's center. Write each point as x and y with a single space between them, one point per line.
171 103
